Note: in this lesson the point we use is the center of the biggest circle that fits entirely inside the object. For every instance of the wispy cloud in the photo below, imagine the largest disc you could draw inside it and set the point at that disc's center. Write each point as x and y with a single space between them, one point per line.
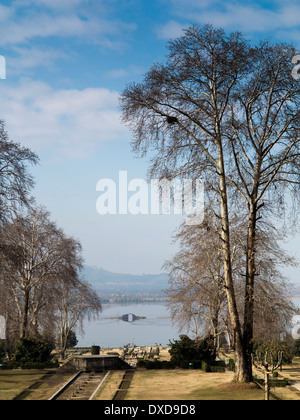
170 30
125 72
52 4
249 17
21 23
68 124
27 58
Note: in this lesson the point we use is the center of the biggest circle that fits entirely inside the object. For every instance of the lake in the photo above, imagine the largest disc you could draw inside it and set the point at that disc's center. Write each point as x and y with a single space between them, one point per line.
156 328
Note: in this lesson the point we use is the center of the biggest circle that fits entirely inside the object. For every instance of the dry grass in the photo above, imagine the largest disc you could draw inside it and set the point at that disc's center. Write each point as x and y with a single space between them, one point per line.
189 385
49 386
13 383
110 386
292 372
154 385
236 387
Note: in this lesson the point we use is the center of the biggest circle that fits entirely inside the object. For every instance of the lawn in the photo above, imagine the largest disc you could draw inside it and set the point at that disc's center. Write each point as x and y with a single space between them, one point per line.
150 385
13 383
111 385
189 385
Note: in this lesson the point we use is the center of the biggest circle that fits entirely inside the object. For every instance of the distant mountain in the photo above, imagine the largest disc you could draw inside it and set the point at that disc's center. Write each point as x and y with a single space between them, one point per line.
106 282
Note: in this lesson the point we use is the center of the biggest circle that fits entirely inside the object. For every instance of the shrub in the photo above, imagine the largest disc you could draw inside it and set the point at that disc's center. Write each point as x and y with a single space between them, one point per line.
232 365
45 365
297 347
156 364
186 350
31 350
213 367
274 383
194 364
2 350
217 369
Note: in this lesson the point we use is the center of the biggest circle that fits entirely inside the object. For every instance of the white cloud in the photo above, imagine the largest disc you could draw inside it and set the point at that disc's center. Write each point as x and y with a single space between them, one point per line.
231 15
30 58
170 30
43 26
21 25
60 124
52 4
121 73
5 13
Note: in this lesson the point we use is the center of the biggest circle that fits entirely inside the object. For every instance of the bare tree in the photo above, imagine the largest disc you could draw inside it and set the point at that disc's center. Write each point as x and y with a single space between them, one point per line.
229 112
74 302
268 363
35 252
15 181
197 296
197 290
265 147
181 109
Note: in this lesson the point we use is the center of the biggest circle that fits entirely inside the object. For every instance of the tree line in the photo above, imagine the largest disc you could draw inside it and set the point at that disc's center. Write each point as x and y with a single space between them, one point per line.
227 111
42 293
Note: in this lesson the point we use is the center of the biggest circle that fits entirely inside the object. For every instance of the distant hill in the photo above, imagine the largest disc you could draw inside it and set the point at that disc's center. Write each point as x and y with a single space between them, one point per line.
106 282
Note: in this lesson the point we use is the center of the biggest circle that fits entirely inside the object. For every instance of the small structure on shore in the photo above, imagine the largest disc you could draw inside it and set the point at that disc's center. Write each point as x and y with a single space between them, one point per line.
131 318
94 363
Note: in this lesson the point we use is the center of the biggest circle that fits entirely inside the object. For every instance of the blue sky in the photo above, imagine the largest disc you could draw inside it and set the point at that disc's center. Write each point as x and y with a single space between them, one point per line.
67 62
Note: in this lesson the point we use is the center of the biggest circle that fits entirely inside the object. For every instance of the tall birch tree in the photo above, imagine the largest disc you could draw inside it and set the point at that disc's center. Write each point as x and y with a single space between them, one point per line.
228 112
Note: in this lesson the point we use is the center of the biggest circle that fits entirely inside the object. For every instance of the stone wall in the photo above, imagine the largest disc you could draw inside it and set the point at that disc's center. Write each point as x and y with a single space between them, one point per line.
96 363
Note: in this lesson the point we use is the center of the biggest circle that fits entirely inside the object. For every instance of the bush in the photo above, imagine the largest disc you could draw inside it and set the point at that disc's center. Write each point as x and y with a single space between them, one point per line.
186 350
296 348
274 383
30 350
192 364
156 364
220 369
232 365
2 350
45 365
213 367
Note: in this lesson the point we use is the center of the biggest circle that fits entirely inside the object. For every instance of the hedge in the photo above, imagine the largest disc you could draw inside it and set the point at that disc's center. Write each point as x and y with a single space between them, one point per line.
156 364
212 366
29 365
274 383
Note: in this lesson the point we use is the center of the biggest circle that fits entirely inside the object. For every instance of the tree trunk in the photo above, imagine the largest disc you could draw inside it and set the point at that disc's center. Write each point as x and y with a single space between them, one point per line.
267 386
215 322
215 332
241 369
249 289
24 322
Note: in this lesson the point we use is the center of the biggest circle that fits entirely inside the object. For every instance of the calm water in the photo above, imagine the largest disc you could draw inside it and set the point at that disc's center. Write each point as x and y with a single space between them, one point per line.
157 328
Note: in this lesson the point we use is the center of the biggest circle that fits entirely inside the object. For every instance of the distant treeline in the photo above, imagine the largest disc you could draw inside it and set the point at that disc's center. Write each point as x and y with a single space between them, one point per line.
131 299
